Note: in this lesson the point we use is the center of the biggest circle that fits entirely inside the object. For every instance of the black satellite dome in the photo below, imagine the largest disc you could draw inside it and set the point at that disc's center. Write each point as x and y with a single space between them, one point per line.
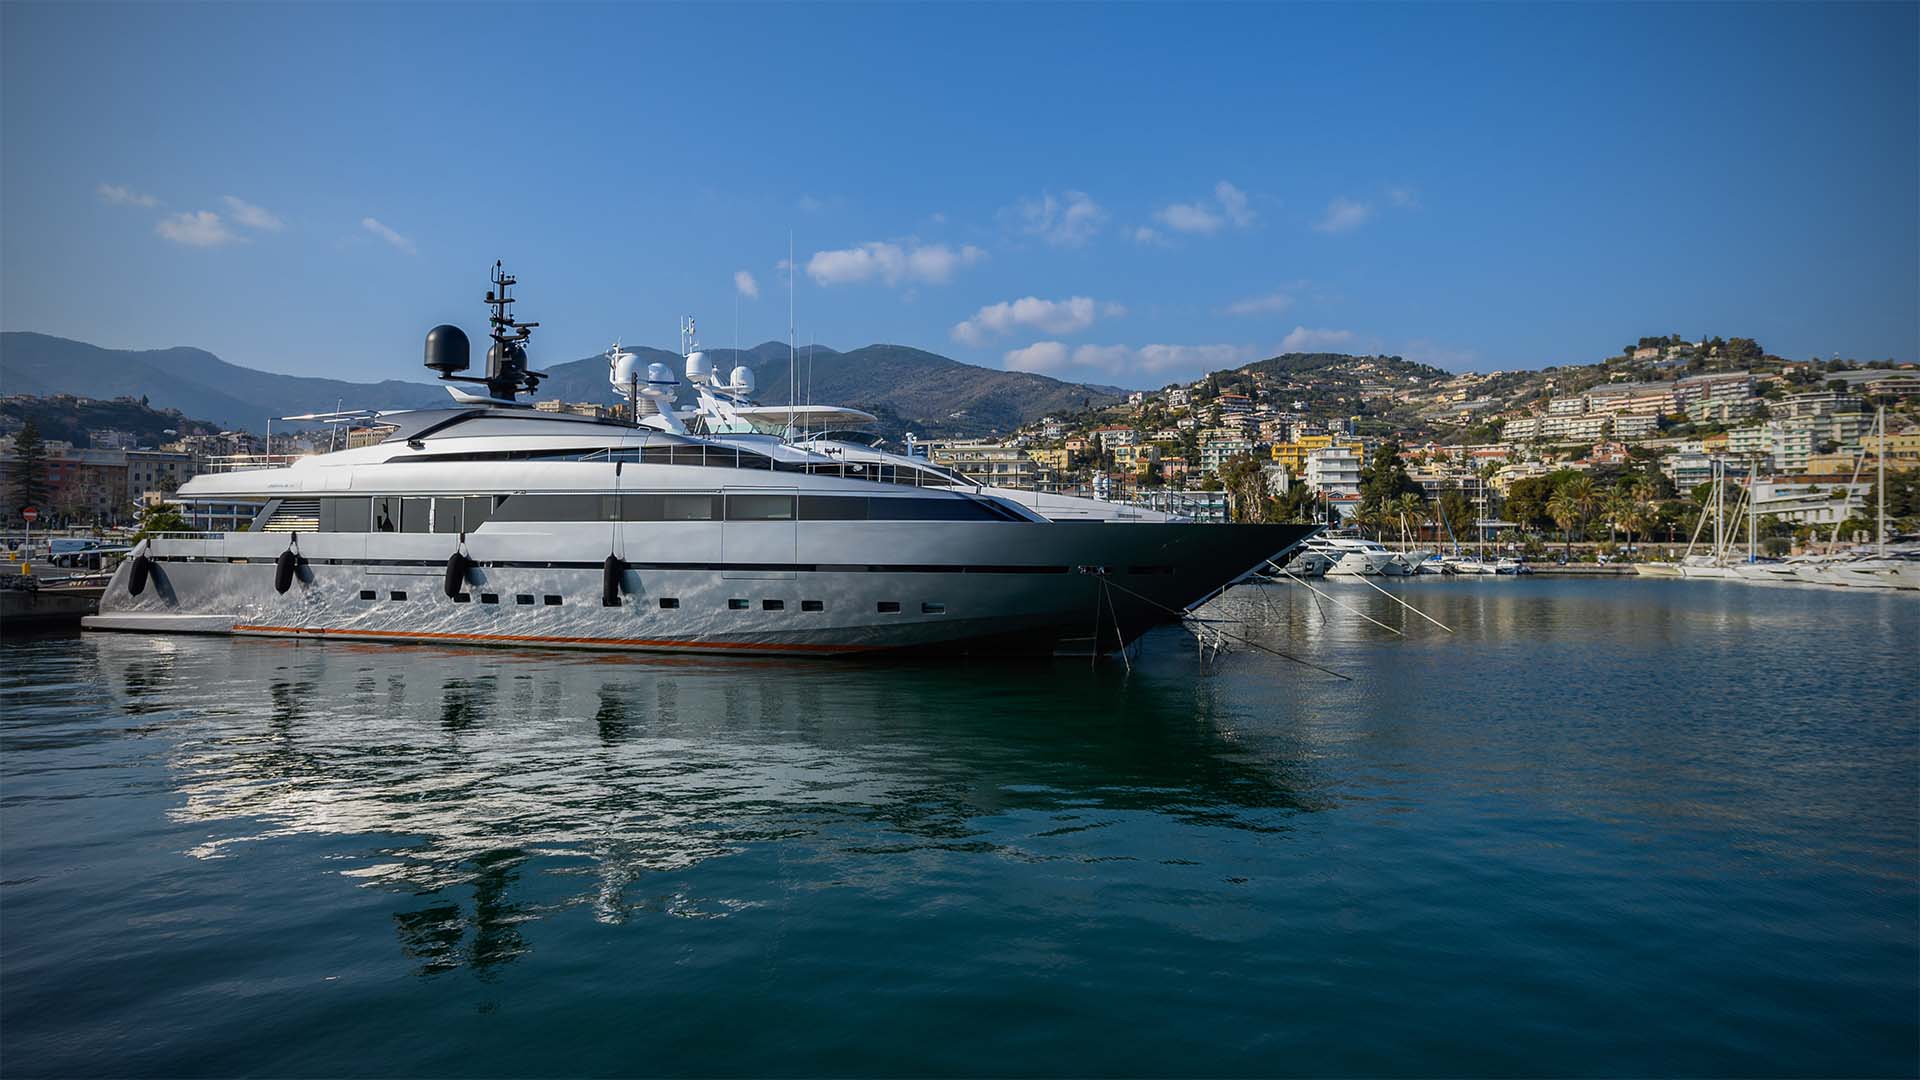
447 349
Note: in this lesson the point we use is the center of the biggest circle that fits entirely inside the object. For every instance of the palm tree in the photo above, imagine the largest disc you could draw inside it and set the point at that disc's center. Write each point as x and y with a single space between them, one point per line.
1409 509
1564 509
1618 506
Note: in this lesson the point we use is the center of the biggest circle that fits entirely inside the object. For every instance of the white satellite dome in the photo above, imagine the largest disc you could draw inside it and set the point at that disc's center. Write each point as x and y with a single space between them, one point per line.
742 379
661 375
621 368
699 367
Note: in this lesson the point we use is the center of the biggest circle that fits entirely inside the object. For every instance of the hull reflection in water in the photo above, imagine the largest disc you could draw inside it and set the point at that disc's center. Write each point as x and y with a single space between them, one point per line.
543 782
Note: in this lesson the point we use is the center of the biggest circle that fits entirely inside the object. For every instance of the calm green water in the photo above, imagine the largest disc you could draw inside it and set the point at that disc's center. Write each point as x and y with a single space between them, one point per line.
1607 828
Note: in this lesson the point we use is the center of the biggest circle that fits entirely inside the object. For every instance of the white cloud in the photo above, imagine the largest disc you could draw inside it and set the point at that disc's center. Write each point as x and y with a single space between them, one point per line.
1265 304
1204 217
386 232
810 205
1147 235
747 287
1041 357
198 228
1233 202
1303 339
253 217
1124 361
1067 316
1344 215
121 195
1190 218
931 264
1404 197
1068 221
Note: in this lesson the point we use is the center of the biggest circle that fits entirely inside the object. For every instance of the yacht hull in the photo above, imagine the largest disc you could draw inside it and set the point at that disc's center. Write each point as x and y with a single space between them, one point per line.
973 588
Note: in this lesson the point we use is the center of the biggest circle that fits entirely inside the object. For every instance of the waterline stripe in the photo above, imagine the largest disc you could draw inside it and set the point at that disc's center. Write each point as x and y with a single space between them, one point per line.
424 635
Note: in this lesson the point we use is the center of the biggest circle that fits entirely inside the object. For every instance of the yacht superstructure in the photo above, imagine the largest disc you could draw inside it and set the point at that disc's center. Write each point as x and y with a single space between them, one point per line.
492 523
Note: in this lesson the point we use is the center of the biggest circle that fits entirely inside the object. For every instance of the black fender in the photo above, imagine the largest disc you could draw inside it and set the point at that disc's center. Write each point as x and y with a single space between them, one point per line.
284 568
611 575
137 577
457 566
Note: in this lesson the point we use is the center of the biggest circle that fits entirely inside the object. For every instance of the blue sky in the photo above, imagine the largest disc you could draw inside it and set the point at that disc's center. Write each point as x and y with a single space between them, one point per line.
1130 195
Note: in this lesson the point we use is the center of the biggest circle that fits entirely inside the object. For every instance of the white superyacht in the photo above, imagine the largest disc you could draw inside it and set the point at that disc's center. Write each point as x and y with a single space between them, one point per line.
492 523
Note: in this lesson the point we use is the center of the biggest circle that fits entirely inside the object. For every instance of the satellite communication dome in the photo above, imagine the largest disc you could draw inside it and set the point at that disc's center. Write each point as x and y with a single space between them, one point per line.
622 369
661 375
742 378
699 367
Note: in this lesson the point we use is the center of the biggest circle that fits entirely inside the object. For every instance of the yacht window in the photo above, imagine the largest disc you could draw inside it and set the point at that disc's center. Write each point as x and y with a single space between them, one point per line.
759 508
446 515
462 598
415 515
689 507
386 514
397 594
928 509
523 598
737 604
773 605
557 508
479 509
550 600
349 515
833 507
367 594
889 607
489 598
812 605
667 603
933 609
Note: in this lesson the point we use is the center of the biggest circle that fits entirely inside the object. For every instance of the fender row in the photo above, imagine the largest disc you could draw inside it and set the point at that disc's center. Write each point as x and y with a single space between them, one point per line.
802 568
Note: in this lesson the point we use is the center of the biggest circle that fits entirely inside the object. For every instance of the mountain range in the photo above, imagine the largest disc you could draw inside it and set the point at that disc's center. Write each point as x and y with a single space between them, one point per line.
906 388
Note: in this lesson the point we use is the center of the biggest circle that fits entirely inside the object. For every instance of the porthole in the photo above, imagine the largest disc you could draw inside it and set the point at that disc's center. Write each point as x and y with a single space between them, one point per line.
889 607
367 594
523 598
933 609
812 605
489 598
668 603
550 600
462 598
397 594
773 605
738 604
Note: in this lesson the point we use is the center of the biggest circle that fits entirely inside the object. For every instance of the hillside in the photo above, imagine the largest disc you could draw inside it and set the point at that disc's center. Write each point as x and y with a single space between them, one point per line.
69 419
193 381
909 389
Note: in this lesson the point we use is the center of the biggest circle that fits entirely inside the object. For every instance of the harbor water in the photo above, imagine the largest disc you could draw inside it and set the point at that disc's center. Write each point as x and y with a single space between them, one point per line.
1603 828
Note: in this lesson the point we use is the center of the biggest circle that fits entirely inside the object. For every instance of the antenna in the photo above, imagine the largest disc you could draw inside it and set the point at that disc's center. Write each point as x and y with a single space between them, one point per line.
791 273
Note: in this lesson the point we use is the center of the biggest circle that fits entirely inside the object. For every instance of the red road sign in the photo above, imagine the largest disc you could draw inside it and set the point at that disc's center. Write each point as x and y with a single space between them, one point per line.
30 514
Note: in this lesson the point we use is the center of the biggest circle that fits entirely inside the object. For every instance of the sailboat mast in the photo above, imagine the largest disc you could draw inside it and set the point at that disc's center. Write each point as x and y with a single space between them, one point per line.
1881 487
1753 504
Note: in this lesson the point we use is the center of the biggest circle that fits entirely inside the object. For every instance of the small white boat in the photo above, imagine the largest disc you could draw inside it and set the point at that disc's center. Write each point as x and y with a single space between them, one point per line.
1354 557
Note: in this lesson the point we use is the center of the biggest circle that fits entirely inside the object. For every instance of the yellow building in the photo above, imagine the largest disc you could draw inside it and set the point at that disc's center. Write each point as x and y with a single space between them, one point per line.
1293 455
1714 444
1136 459
1057 460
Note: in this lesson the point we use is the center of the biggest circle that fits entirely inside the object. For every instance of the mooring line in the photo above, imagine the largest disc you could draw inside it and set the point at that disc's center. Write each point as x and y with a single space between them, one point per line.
1335 602
1184 615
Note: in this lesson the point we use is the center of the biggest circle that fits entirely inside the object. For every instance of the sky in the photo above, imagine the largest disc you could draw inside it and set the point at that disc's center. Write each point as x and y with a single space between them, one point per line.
1130 195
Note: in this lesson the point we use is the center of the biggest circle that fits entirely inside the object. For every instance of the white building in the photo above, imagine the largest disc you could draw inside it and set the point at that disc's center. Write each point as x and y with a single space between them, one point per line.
1334 470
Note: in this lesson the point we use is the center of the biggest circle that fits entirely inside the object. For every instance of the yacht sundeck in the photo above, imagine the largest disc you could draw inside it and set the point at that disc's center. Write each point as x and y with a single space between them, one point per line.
493 523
